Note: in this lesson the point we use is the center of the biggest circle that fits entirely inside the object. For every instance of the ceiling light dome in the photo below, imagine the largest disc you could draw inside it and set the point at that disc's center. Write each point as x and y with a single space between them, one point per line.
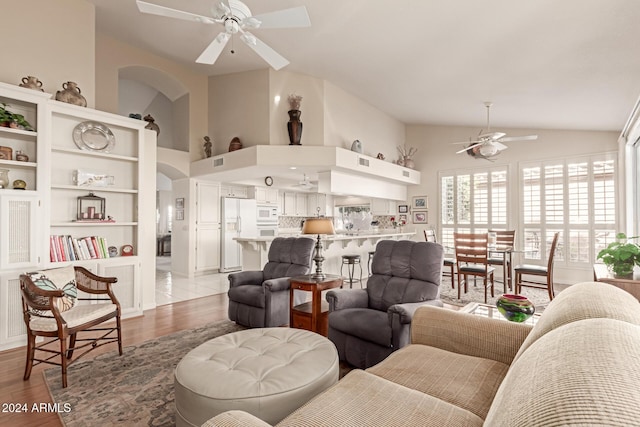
488 150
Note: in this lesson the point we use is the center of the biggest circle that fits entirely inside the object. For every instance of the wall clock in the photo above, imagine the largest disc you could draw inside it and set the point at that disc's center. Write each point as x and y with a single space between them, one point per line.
269 181
127 250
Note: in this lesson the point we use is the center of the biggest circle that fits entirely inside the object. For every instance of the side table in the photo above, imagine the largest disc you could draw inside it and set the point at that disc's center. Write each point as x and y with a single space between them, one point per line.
314 315
491 311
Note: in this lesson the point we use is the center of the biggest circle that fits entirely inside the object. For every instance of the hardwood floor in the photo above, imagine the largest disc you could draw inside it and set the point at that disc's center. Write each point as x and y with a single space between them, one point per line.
160 321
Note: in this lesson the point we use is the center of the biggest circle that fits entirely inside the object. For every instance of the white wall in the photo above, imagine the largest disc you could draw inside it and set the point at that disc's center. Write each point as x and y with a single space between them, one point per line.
347 118
52 40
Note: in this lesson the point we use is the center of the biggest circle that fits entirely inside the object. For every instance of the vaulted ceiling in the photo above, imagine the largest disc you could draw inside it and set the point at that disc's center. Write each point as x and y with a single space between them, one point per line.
555 64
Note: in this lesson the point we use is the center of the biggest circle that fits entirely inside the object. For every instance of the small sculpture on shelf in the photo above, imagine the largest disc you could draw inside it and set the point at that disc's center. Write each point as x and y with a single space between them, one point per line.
356 146
19 184
4 178
207 147
152 124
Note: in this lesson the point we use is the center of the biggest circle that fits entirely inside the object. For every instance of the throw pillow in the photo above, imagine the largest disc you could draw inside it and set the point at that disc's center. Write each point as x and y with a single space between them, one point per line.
57 278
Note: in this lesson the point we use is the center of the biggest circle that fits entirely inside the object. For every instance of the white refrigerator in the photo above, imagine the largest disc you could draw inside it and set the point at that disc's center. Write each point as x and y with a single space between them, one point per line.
238 220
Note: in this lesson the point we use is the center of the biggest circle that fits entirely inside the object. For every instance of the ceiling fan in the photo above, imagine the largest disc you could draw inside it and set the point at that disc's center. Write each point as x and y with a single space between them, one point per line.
236 18
305 183
489 144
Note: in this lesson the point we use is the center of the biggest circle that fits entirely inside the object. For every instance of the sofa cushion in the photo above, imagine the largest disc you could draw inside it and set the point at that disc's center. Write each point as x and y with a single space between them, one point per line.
369 325
465 381
248 295
584 301
582 373
362 399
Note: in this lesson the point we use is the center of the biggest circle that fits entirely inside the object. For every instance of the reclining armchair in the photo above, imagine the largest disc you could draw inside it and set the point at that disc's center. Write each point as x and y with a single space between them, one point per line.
260 299
367 325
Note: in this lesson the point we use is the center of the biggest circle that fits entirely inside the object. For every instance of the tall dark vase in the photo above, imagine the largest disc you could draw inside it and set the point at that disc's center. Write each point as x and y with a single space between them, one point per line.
295 127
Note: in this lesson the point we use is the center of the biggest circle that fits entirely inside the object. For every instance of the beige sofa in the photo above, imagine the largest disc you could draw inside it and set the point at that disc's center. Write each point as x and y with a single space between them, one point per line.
579 365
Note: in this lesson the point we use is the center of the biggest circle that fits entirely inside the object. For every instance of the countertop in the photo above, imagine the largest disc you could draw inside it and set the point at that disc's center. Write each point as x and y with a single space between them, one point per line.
341 236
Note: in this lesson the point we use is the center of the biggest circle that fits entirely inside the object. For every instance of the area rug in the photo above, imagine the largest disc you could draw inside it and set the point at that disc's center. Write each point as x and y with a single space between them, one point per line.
539 297
135 389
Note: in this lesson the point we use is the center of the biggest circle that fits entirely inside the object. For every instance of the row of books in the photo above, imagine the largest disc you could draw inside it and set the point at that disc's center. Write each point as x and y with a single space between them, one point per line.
67 248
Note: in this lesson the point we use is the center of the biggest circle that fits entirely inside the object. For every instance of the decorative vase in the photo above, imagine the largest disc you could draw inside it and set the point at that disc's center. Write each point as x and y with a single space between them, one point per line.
408 163
4 178
294 126
515 308
356 146
71 94
235 144
31 82
152 123
622 270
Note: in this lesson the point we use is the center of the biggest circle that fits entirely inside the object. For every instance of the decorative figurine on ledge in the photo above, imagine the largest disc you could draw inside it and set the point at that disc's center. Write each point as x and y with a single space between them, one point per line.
152 124
207 147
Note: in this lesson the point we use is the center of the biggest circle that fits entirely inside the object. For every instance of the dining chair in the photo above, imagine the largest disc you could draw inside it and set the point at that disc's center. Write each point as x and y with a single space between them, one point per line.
504 239
472 260
539 271
450 263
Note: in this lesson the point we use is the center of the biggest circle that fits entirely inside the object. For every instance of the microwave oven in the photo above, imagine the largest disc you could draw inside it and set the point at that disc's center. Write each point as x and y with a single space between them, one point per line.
267 214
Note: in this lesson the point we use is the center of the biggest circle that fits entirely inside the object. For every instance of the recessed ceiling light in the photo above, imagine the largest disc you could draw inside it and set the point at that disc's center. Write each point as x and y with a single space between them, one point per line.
293 167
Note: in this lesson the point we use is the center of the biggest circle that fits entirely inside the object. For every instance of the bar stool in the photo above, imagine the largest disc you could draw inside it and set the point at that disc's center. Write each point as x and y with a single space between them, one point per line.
371 254
351 261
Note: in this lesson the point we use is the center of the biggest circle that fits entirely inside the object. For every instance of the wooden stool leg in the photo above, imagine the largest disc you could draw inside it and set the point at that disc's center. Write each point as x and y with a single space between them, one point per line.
63 351
72 345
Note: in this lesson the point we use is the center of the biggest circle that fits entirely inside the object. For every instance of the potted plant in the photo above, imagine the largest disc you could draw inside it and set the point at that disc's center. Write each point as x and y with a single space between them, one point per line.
6 116
621 256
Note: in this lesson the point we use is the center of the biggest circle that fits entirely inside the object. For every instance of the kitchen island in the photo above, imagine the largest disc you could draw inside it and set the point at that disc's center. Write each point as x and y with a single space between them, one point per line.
255 250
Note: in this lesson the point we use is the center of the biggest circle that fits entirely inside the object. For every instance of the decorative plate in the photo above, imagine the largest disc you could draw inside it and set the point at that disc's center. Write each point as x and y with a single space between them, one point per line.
93 136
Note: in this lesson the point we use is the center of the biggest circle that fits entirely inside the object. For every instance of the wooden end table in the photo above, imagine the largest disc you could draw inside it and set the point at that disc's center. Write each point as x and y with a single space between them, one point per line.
631 285
314 315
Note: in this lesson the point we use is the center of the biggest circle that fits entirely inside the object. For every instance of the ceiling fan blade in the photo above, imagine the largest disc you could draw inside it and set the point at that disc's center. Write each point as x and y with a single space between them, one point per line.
467 142
155 9
211 53
296 17
519 138
499 145
272 57
469 148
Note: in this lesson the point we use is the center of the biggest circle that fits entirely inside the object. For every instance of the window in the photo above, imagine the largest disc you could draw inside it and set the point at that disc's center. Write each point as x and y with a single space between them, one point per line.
472 202
573 196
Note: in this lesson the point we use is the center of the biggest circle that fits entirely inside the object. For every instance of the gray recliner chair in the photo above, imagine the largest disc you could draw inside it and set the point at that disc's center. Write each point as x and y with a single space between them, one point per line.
367 325
260 299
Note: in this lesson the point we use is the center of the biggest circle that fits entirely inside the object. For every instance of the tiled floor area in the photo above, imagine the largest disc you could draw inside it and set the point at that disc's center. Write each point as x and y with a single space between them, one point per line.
171 288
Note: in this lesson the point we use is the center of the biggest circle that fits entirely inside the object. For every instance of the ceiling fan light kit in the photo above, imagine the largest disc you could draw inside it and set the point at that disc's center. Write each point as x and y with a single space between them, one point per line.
489 144
235 17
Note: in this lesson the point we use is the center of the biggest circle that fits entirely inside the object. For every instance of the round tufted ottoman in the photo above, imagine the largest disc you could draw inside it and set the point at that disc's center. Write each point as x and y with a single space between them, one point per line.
268 372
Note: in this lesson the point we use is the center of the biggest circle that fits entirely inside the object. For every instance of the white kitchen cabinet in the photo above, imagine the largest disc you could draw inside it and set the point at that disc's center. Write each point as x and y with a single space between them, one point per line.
383 206
234 191
322 201
207 226
295 204
264 195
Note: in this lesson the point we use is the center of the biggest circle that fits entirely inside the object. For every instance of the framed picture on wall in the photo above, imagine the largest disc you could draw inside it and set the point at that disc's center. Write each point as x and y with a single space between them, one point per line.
420 202
403 209
420 217
180 203
180 215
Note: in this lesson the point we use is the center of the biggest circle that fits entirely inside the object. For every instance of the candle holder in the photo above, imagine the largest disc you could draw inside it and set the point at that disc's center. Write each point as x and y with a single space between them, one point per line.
91 208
